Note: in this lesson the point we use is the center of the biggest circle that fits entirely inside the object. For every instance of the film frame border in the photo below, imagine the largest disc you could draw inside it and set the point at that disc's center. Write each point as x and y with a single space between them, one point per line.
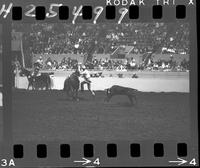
87 12
7 109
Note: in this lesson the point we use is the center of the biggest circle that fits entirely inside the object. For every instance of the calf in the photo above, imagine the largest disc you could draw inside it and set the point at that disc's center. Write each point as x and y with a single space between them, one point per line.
120 90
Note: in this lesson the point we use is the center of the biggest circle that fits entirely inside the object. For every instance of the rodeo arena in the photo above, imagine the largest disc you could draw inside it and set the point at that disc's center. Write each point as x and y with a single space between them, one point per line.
79 81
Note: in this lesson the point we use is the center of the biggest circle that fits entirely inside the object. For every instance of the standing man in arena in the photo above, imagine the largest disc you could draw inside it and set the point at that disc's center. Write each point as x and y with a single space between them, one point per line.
86 77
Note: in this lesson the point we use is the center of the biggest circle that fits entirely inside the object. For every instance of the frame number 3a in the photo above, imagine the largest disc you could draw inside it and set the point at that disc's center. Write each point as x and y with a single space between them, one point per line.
7 163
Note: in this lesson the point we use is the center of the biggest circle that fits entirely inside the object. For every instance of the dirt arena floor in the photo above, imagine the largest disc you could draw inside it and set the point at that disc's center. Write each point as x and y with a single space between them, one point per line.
162 112
50 115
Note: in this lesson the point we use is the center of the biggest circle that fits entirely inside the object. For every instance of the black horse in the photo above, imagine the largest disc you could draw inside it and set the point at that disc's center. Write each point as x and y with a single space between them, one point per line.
37 82
71 85
43 81
29 76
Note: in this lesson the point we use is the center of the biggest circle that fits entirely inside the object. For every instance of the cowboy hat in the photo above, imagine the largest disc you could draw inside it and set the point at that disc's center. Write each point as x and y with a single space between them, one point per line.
83 66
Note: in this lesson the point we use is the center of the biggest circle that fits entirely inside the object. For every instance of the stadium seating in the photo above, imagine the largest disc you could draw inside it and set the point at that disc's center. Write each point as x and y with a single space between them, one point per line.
112 41
67 38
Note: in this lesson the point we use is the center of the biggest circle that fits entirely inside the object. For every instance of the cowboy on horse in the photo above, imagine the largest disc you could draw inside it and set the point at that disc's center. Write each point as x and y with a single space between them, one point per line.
71 85
36 72
36 79
86 79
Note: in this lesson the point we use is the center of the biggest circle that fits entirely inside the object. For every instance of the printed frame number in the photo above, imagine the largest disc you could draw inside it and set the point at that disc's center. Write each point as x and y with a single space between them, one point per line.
97 162
91 163
193 162
7 163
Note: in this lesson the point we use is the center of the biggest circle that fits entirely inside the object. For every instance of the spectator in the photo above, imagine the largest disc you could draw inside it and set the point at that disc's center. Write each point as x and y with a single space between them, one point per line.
39 62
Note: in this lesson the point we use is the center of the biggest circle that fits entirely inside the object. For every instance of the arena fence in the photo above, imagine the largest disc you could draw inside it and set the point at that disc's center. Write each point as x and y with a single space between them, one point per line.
146 81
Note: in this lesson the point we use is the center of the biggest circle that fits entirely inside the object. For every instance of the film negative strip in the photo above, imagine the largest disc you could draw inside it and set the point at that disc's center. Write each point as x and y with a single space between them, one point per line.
90 83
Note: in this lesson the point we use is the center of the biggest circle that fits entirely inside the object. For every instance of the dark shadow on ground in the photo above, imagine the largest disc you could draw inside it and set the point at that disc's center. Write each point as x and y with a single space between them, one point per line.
120 104
72 100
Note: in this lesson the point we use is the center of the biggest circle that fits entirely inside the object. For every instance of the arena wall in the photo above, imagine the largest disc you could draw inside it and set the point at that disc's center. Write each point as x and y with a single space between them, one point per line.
0 82
1 69
147 81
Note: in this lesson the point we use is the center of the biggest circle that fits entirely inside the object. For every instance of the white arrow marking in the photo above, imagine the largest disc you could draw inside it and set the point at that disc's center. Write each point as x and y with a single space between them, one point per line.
84 161
179 161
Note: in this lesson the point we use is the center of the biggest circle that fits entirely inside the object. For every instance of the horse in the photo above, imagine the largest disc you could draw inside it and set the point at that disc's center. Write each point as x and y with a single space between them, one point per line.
29 76
41 81
71 85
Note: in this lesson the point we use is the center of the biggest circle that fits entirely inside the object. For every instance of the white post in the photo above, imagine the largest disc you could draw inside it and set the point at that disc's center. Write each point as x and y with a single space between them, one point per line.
1 100
17 78
22 51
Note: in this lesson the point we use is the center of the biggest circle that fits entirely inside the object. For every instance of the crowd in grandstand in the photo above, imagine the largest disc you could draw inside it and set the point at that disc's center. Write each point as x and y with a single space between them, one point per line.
69 38
119 65
77 39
